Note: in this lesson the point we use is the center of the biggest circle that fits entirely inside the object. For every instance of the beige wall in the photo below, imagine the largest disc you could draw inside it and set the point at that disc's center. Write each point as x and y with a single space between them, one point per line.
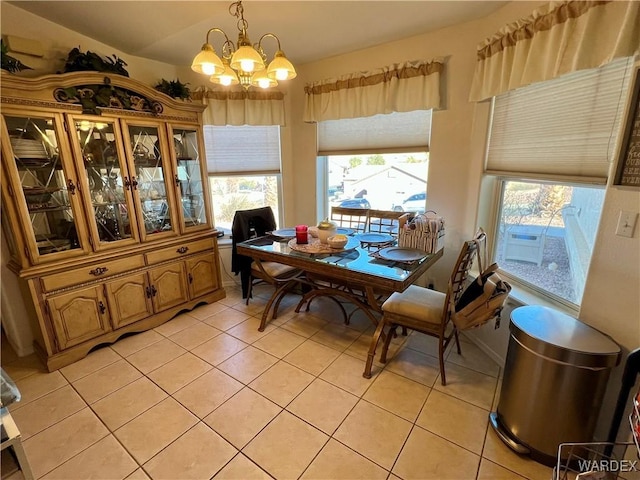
612 295
57 41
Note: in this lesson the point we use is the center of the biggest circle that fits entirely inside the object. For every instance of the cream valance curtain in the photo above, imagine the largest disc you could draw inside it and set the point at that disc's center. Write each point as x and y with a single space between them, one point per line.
239 108
559 38
397 88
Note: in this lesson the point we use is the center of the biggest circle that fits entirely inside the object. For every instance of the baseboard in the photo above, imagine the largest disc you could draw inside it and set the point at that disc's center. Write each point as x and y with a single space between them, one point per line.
495 356
20 351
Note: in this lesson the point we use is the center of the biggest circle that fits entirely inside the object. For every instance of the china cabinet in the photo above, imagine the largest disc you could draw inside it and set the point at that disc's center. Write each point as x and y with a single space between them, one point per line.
105 208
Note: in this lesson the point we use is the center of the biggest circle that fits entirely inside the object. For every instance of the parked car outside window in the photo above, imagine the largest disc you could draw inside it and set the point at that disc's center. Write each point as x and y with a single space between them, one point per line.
355 203
415 203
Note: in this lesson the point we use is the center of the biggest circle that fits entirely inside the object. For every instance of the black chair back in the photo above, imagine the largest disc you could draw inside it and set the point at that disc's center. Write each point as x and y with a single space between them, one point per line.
248 224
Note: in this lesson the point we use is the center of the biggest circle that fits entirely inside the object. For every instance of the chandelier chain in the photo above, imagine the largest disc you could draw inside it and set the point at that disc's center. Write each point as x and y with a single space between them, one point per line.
242 24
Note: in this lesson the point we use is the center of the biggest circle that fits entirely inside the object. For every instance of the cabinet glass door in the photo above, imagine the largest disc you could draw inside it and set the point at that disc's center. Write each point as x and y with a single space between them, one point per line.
190 177
152 179
46 183
108 181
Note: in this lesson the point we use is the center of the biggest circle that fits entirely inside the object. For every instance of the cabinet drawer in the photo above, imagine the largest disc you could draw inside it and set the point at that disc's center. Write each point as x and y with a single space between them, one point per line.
180 250
92 272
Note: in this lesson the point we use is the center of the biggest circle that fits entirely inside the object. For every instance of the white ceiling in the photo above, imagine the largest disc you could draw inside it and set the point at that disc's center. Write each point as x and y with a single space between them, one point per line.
173 31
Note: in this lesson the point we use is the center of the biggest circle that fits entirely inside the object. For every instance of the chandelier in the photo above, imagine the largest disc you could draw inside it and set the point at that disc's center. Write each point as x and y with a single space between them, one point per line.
244 64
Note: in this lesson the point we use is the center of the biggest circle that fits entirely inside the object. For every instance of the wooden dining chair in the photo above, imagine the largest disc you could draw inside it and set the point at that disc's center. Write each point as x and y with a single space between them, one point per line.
354 218
426 311
386 221
249 224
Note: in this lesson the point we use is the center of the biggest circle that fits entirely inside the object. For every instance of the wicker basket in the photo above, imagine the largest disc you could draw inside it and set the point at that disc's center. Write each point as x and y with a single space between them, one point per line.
425 232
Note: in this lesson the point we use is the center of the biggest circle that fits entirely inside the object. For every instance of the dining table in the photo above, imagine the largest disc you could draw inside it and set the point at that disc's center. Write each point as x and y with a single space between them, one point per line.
357 273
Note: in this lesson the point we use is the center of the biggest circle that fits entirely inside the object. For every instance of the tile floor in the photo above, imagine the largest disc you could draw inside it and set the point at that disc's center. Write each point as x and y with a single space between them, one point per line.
206 395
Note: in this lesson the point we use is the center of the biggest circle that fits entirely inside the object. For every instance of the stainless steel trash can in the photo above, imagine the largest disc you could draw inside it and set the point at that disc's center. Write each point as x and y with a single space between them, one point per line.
555 376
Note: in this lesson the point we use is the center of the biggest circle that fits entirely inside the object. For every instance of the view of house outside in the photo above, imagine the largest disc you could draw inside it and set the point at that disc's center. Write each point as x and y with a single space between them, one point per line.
546 235
379 181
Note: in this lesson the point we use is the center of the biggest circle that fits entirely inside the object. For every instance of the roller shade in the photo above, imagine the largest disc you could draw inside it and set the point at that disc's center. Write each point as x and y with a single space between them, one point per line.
385 133
246 149
566 127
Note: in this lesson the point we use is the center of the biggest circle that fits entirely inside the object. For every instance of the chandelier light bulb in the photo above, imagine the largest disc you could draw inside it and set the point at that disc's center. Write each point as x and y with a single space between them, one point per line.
260 79
208 68
281 68
206 61
227 77
247 65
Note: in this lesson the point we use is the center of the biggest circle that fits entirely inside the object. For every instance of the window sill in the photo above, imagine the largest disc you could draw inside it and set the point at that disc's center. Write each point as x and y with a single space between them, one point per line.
522 295
225 242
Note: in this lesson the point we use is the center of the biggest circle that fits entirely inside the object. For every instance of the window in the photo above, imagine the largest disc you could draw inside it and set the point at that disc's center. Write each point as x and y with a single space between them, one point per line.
381 181
550 151
375 162
244 170
546 233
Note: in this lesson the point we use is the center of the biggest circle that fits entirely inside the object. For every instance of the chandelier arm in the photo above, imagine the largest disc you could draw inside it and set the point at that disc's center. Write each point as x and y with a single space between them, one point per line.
216 29
272 35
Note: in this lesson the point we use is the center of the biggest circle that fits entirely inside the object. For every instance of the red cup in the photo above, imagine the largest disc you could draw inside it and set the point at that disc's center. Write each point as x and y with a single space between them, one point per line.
302 234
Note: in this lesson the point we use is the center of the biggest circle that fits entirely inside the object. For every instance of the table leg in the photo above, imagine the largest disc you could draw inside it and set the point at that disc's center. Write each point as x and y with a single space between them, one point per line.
312 294
334 292
276 297
372 349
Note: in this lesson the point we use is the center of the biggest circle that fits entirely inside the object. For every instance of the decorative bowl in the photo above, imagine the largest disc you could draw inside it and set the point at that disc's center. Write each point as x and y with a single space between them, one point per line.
337 241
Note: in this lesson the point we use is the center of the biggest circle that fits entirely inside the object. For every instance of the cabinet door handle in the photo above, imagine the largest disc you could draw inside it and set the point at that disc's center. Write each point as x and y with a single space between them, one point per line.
101 307
177 180
134 183
182 250
98 271
148 290
127 183
71 187
153 291
190 278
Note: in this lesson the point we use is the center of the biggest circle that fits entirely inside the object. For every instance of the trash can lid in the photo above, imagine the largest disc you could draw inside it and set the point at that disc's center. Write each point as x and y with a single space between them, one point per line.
561 337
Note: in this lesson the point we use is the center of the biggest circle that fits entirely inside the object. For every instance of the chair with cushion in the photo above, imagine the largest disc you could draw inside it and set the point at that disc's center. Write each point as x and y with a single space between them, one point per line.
353 218
426 311
248 224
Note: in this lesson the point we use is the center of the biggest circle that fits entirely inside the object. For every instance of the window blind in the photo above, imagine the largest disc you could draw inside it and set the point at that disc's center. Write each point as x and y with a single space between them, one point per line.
245 149
385 133
562 128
